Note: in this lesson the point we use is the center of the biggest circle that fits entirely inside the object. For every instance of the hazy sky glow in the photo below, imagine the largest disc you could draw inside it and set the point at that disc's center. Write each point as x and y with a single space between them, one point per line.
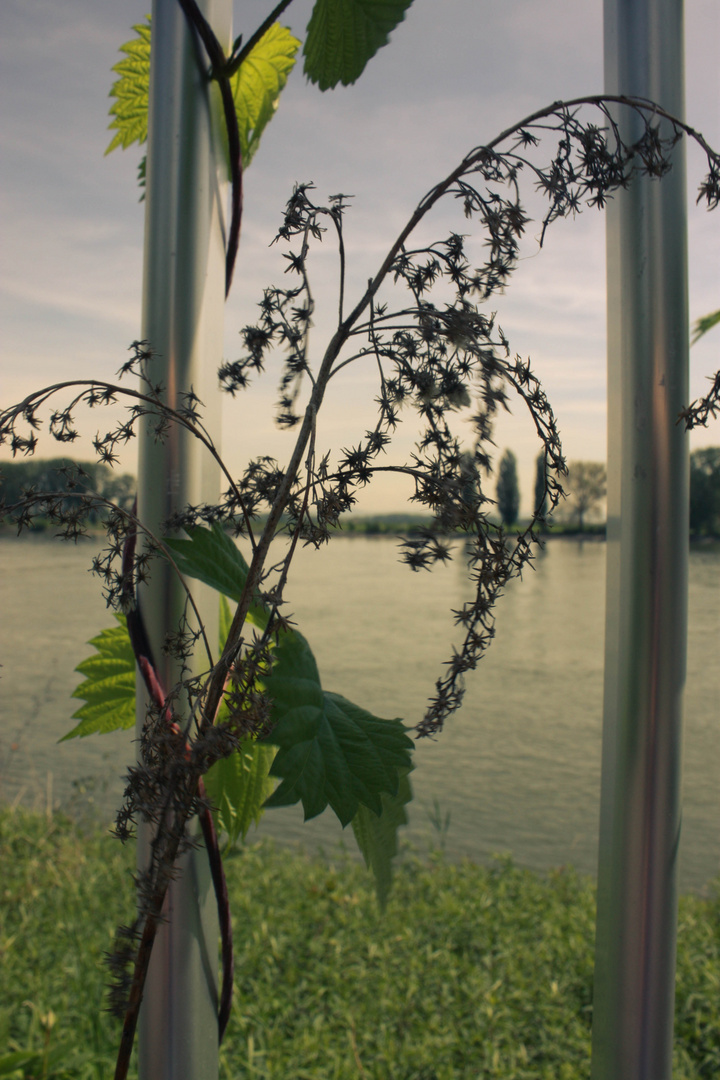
455 74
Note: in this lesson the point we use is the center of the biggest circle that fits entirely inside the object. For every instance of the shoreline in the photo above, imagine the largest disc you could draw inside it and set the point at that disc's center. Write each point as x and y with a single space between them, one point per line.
392 527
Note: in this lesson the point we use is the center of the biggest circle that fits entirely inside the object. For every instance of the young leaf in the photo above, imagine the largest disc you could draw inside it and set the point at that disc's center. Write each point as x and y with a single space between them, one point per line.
210 555
239 784
238 787
256 87
377 835
257 84
109 687
225 621
34 1063
343 35
331 751
130 108
701 327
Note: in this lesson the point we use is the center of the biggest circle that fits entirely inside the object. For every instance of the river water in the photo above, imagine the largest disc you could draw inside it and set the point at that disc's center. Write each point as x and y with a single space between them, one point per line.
517 770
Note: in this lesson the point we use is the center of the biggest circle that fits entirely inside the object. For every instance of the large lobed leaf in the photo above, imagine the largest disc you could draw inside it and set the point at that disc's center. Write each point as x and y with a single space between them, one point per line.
109 686
343 35
331 751
256 87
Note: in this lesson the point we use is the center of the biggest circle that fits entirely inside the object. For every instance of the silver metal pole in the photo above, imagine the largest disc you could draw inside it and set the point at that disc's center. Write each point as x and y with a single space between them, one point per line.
646 612
183 301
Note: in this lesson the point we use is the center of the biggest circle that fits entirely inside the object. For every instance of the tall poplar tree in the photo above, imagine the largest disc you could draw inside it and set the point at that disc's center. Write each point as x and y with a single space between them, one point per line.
540 502
508 489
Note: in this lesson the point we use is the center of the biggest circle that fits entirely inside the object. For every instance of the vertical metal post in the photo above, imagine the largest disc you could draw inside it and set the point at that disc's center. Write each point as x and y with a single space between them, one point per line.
646 611
183 300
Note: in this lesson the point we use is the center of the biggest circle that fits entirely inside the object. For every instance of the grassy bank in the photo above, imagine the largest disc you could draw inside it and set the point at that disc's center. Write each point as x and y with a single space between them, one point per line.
471 973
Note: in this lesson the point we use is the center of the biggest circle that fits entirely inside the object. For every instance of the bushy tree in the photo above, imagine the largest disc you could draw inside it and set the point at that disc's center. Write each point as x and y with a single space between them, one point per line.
587 486
508 490
705 491
52 475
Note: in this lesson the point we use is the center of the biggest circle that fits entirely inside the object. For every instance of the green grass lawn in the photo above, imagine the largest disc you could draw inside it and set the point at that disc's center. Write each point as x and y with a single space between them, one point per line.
472 972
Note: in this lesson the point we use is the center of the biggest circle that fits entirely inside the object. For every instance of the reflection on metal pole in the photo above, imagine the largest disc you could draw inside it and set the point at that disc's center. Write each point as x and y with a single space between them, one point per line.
646 569
183 300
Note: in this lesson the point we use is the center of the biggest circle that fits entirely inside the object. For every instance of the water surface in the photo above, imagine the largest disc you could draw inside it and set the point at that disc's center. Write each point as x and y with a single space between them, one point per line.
518 769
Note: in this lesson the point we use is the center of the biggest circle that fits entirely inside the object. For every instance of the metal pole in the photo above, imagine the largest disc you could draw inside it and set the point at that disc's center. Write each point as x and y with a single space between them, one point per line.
646 613
183 301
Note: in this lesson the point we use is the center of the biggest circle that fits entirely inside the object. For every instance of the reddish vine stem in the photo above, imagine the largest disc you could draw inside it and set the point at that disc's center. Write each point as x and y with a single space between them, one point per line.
143 655
147 940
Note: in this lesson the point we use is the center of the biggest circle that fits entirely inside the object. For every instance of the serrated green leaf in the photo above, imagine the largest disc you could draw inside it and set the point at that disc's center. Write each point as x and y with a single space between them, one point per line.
131 91
210 555
330 750
376 835
343 35
257 85
238 787
109 686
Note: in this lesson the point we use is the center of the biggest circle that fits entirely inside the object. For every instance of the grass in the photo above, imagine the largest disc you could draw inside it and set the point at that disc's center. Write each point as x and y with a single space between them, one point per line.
472 972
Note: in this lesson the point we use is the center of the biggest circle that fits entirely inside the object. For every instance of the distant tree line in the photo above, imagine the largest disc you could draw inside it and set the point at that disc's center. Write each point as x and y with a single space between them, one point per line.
52 475
705 492
586 487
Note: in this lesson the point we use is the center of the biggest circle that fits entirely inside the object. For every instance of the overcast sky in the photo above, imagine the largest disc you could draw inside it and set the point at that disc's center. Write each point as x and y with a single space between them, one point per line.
456 72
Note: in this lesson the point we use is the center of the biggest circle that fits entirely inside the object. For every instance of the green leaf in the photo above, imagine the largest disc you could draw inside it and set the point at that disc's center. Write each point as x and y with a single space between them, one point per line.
36 1063
343 35
130 108
239 784
238 787
704 324
331 751
377 835
20 1059
210 555
109 687
256 88
257 84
